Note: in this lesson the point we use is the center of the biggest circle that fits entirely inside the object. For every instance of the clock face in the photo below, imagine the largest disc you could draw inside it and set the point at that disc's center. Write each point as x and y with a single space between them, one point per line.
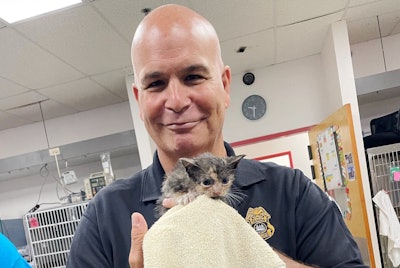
254 107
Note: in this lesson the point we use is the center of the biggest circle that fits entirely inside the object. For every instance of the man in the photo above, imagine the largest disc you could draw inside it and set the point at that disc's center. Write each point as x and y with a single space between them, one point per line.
182 88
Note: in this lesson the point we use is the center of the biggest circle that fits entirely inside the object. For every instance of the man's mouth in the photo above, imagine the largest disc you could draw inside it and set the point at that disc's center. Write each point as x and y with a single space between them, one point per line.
182 126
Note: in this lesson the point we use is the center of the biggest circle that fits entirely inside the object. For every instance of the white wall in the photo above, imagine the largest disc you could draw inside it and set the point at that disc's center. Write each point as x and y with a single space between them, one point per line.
19 195
296 144
67 129
376 65
376 56
293 92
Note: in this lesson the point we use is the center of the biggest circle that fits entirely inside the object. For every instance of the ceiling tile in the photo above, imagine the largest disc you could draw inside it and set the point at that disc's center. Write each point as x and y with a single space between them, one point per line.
30 113
10 121
52 109
390 23
259 51
81 37
119 13
9 88
29 65
231 18
303 39
353 3
81 95
49 108
23 99
113 81
287 11
372 9
363 30
396 30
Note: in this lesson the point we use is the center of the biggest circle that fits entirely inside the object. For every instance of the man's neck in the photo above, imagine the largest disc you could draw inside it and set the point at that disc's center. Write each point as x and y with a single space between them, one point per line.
168 161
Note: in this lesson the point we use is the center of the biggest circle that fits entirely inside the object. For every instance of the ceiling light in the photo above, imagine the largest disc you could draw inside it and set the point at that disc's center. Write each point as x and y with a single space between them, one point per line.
16 10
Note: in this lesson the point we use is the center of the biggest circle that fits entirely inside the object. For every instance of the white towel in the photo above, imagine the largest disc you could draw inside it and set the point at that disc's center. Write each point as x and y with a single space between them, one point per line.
389 225
206 233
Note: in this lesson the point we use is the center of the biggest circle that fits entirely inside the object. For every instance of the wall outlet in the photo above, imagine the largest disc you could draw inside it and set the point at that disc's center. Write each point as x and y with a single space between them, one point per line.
54 151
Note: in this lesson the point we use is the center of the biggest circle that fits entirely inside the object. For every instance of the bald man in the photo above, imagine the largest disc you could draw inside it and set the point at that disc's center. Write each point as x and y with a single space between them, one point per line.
183 90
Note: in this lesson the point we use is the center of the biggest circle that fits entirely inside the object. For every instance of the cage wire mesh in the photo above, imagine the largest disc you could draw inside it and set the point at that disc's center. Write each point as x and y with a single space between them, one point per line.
49 233
381 161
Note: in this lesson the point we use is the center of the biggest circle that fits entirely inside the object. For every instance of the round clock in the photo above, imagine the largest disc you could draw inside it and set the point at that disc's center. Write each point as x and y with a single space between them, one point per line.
254 107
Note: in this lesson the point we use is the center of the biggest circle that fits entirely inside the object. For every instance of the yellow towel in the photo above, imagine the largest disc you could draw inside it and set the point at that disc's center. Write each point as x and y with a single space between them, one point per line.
206 233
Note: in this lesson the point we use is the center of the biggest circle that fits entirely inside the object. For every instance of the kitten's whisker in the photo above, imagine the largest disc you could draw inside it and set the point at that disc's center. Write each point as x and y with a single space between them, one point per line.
233 198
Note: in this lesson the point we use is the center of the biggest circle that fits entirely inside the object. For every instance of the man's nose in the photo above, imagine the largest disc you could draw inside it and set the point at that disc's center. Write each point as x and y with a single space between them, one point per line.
177 96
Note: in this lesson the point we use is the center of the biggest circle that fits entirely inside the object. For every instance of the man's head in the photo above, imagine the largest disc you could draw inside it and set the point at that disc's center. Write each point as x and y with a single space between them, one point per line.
181 83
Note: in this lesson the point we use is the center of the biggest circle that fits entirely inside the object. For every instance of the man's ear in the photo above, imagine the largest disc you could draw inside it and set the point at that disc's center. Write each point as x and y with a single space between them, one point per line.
226 82
136 93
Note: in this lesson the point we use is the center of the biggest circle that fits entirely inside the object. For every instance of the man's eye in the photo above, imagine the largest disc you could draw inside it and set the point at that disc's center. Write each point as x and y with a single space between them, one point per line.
193 78
155 84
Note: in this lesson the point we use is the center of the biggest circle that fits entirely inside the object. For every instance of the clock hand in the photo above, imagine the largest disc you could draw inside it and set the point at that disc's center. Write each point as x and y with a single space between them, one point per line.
254 110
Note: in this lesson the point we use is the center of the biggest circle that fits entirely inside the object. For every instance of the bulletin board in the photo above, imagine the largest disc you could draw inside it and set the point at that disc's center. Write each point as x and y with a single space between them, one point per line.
337 171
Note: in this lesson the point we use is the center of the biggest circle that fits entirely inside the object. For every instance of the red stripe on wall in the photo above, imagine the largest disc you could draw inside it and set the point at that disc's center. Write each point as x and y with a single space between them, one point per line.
270 137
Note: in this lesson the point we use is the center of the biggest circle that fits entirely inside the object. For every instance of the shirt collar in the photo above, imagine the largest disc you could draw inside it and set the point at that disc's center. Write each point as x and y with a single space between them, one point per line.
152 180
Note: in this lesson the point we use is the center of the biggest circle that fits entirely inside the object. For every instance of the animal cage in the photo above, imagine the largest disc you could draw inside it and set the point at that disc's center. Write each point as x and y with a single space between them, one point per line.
382 162
49 234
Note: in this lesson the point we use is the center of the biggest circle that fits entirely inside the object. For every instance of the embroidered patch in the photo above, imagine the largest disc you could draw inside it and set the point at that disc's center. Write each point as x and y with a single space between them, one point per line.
259 218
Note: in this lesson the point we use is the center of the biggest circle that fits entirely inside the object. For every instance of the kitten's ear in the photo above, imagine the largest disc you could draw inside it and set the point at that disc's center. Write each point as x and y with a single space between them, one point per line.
191 167
233 161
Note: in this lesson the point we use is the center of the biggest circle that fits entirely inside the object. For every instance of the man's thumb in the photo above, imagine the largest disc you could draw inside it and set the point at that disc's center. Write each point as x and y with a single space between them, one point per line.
139 229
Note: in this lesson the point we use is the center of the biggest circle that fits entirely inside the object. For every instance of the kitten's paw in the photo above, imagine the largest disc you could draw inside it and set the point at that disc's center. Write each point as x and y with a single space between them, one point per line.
187 198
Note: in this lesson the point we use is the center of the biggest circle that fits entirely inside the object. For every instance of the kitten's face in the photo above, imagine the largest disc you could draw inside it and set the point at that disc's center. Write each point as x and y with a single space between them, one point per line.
214 185
213 176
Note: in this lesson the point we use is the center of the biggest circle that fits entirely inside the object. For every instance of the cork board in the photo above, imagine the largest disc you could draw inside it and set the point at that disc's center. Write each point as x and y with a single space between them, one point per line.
341 177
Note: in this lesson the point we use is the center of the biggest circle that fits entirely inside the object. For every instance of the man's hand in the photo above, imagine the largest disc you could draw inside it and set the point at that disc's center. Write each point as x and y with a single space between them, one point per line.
139 229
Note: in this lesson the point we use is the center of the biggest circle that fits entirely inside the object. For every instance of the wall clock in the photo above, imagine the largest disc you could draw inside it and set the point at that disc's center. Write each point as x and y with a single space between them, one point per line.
254 107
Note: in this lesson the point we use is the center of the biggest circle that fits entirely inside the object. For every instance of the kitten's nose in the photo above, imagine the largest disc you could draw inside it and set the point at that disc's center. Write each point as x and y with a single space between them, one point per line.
217 190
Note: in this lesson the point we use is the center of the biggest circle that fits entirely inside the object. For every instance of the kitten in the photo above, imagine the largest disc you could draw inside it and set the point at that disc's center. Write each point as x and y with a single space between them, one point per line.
205 174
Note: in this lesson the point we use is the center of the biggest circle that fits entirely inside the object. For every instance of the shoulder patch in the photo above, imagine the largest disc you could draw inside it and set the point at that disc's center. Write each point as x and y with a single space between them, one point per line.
259 218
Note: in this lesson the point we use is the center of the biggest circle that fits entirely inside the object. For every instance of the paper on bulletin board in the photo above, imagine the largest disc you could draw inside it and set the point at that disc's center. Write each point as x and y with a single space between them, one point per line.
330 161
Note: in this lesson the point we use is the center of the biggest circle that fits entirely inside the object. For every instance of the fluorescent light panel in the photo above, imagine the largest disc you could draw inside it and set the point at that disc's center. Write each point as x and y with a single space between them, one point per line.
16 10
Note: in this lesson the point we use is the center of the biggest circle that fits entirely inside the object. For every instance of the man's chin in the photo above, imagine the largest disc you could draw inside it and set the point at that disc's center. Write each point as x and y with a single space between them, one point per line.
187 148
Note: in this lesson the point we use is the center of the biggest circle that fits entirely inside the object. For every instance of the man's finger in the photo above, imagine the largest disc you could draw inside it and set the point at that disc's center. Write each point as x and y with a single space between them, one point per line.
168 203
139 229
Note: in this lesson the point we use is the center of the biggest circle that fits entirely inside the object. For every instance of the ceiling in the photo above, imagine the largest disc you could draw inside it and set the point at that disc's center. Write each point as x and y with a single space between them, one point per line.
76 59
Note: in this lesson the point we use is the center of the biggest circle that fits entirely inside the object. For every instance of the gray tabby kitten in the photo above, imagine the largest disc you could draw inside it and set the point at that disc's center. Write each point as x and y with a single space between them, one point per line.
205 174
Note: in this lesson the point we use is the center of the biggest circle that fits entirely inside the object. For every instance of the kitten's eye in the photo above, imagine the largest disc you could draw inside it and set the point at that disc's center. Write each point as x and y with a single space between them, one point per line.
224 181
207 182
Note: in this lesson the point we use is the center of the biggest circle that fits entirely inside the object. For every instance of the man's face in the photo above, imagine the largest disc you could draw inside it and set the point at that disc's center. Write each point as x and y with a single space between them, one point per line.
183 93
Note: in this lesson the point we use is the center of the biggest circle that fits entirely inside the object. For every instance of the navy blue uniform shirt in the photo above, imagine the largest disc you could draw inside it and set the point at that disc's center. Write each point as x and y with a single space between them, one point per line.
287 209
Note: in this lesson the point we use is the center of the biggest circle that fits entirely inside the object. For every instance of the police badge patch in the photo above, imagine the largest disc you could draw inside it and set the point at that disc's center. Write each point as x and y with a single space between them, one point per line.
258 218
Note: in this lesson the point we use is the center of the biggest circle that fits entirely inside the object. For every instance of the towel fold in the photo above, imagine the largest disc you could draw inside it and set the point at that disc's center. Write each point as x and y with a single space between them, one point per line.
206 233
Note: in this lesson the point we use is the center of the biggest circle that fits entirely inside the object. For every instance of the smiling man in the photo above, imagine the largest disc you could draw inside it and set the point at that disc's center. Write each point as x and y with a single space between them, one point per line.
182 87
